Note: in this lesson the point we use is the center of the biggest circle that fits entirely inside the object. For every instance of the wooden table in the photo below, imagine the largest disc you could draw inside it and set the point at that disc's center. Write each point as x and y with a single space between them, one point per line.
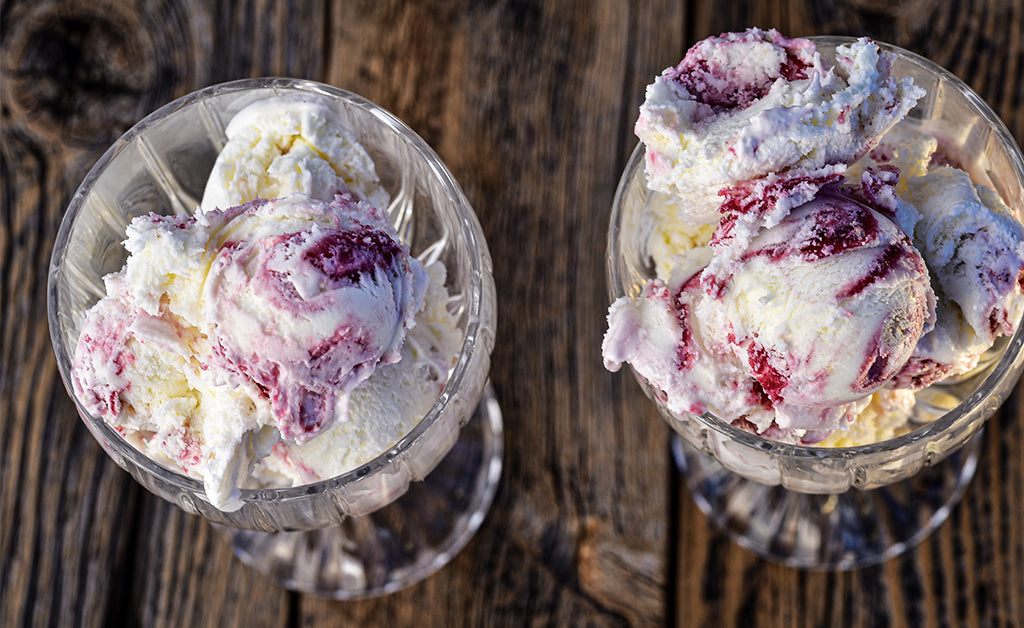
531 104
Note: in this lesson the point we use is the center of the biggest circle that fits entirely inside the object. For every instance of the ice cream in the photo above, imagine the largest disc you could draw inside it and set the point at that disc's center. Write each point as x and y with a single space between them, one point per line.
816 259
884 417
382 409
749 104
807 320
286 145
973 245
273 342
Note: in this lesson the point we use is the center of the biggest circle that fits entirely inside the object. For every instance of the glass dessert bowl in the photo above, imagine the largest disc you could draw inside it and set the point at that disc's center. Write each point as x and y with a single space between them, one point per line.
400 516
844 507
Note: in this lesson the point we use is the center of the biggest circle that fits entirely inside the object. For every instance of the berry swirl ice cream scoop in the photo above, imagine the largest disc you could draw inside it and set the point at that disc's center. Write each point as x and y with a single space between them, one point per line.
824 308
794 332
743 105
304 299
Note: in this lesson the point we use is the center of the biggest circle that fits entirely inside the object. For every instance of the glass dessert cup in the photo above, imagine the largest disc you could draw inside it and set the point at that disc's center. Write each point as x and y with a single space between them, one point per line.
406 513
849 507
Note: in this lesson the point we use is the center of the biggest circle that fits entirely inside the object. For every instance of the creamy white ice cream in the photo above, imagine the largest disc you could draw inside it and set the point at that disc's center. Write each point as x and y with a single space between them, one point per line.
287 145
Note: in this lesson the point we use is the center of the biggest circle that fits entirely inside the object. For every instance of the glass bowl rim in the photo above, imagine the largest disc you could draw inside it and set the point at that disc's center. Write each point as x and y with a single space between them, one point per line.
1010 363
469 229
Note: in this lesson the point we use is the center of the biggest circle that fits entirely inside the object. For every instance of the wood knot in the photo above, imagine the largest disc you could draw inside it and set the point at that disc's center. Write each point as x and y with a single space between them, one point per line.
80 72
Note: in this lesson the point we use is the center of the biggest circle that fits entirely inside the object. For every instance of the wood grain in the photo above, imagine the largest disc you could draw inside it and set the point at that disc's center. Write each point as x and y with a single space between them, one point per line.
531 104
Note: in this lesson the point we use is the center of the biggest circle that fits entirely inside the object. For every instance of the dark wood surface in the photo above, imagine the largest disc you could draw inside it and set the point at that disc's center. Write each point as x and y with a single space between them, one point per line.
531 104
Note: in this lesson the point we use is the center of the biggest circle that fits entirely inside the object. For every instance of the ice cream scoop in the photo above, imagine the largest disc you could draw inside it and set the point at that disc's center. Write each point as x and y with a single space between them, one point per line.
974 247
145 374
305 299
659 334
824 308
794 332
743 105
286 145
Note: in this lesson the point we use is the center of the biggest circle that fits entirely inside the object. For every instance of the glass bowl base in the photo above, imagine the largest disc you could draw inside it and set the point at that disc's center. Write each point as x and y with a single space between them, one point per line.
399 544
850 530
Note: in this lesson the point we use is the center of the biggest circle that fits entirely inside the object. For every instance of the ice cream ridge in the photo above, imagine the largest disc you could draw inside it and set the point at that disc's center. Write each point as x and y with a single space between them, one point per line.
818 259
283 333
